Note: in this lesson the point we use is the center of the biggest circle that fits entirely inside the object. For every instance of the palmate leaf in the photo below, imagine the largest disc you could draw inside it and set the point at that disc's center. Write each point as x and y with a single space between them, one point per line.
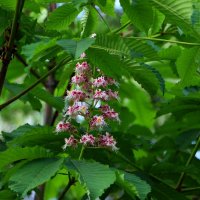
95 176
33 174
141 14
187 65
75 48
38 135
112 44
149 78
141 49
62 17
177 12
88 21
133 185
110 64
18 153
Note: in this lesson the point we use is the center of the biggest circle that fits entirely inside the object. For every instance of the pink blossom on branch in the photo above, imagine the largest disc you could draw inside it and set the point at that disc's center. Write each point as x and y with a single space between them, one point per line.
78 79
75 95
63 127
82 68
107 140
70 142
79 108
97 121
87 139
101 95
100 82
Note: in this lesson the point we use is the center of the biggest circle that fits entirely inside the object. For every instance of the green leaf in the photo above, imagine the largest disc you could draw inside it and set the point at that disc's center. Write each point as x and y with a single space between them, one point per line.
187 65
112 44
88 21
177 12
95 176
33 174
56 102
62 17
16 89
107 6
140 13
7 195
18 153
141 49
8 4
38 135
110 64
157 75
138 102
78 3
133 185
75 48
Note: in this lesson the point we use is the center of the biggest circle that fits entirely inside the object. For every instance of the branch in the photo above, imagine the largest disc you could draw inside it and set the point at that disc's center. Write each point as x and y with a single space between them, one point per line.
163 40
192 155
71 182
33 85
9 47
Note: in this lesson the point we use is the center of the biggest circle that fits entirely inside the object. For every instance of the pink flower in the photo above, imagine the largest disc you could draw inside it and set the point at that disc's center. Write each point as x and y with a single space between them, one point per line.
100 82
107 140
83 55
111 114
101 95
98 121
63 126
78 79
87 139
105 108
77 108
112 94
70 142
81 68
75 95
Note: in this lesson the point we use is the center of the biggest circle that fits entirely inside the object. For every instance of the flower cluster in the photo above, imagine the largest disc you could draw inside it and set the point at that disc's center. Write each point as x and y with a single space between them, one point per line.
87 103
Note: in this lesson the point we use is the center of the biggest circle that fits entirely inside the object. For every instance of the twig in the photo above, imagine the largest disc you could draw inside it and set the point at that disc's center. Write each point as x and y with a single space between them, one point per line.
33 85
71 182
9 47
182 176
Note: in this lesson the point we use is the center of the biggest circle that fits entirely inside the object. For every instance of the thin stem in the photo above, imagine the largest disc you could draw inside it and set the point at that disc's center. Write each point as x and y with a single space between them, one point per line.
101 17
120 28
81 153
71 182
33 85
9 47
192 155
163 40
